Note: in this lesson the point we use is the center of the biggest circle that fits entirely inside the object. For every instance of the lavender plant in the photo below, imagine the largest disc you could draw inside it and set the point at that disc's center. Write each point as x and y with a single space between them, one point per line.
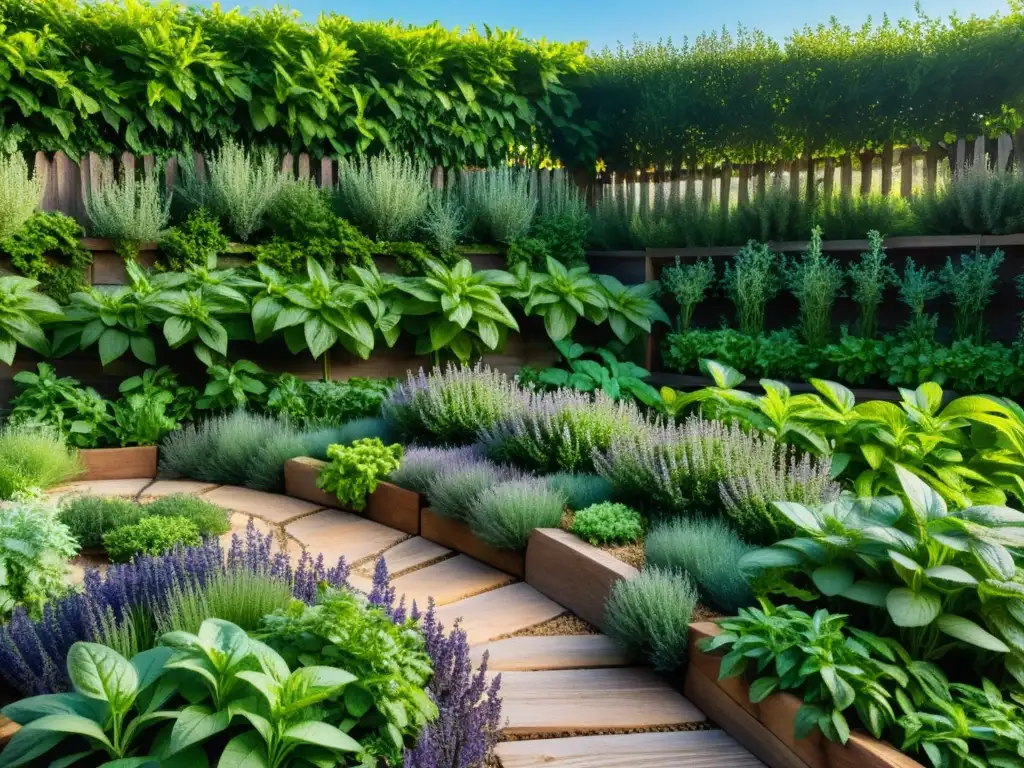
449 406
421 465
561 430
455 489
504 515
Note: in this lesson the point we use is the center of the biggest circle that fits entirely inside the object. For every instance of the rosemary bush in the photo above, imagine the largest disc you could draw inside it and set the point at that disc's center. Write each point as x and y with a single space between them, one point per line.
240 596
870 277
444 221
129 211
505 514
971 286
500 202
815 280
751 281
689 284
918 285
386 196
455 488
421 465
241 185
20 193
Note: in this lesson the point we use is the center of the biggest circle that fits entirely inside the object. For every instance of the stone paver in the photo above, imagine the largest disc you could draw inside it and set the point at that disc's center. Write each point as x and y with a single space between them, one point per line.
448 581
167 487
270 506
692 749
519 654
412 553
501 611
335 533
580 700
122 488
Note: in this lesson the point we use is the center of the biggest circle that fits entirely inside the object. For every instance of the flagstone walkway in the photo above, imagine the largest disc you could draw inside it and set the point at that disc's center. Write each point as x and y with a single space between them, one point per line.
570 701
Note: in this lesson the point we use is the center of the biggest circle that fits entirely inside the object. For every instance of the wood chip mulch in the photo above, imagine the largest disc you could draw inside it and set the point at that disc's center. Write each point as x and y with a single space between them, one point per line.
707 725
566 624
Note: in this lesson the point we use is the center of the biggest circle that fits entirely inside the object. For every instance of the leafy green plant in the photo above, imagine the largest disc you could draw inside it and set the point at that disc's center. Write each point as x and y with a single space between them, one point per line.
386 196
130 211
581 490
531 251
139 420
20 193
649 616
858 360
815 281
870 277
751 280
561 296
411 258
238 386
971 287
32 460
112 703
684 352
78 414
353 472
208 518
88 518
239 596
34 551
48 248
831 668
616 378
196 242
707 550
631 308
150 536
22 313
162 384
607 523
689 286
562 222
505 514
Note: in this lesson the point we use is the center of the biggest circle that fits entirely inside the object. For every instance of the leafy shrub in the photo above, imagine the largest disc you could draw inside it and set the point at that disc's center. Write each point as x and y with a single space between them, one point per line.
707 550
455 488
299 210
265 469
60 404
684 351
500 202
649 616
242 597
421 465
560 431
150 536
751 280
689 285
815 280
530 251
386 196
332 243
20 193
195 243
34 551
90 517
452 405
327 403
870 277
48 248
209 519
129 211
241 184
505 514
608 523
412 259
358 429
32 460
971 287
580 490
353 472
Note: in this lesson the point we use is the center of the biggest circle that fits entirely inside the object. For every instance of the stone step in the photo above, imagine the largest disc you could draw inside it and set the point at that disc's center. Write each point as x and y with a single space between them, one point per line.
335 533
501 611
448 581
582 700
520 654
692 749
167 487
272 507
121 488
411 553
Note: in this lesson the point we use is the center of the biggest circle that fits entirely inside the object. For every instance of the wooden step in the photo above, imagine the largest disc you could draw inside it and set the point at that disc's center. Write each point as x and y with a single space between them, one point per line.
582 700
272 507
335 533
411 553
692 749
501 611
520 654
448 581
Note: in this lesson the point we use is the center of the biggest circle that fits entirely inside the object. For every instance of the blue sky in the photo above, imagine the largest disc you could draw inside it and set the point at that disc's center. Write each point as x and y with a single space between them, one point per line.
603 22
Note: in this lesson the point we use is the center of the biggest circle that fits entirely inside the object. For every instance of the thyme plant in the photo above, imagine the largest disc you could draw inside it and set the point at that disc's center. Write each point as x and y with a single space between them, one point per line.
870 277
751 281
19 193
916 286
815 281
689 284
971 286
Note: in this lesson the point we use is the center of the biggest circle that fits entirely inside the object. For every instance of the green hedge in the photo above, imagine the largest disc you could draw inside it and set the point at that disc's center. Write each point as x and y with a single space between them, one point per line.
107 77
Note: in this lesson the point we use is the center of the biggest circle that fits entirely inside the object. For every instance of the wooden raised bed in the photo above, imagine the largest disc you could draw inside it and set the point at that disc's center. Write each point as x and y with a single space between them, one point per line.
388 505
119 463
766 728
456 535
573 573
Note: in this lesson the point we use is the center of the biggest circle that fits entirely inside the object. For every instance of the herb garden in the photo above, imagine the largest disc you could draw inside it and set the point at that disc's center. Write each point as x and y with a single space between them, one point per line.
376 395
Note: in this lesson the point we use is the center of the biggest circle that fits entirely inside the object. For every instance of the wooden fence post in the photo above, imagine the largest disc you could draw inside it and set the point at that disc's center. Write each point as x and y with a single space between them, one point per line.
44 171
304 166
743 196
437 177
906 172
691 179
830 171
886 168
69 187
931 168
811 181
725 188
326 173
794 179
707 178
980 158
762 178
1004 149
846 176
866 172
170 172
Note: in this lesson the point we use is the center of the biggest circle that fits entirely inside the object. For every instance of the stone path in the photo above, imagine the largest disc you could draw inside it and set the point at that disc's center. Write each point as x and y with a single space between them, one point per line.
554 688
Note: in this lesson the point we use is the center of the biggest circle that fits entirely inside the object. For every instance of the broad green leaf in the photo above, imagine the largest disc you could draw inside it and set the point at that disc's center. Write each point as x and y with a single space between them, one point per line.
833 579
32 708
26 746
245 751
69 724
912 609
321 734
968 632
113 344
194 725
102 673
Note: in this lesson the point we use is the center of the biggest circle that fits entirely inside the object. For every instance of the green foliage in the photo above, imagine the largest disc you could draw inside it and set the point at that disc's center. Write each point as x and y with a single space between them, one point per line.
453 489
195 243
608 523
327 403
22 310
240 185
917 285
32 460
162 384
445 221
581 490
130 211
689 286
300 210
971 287
978 200
45 400
385 196
707 550
531 251
386 701
751 280
834 670
305 228
815 281
870 277
504 515
649 617
561 296
20 193
89 518
208 518
48 248
240 596
411 258
238 386
34 551
616 378
150 536
500 202
562 222
354 471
